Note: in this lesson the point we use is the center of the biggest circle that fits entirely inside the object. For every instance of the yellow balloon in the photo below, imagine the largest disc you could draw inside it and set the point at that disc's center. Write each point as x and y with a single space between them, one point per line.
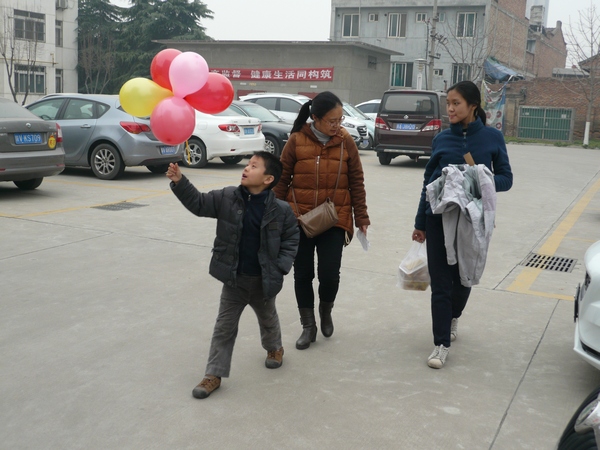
139 96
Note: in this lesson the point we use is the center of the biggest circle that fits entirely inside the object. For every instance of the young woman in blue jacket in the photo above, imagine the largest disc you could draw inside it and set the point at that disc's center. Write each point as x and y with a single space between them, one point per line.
468 133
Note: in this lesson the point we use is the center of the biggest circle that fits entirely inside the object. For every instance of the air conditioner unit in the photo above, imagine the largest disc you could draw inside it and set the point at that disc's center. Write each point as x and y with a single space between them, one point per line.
373 17
62 4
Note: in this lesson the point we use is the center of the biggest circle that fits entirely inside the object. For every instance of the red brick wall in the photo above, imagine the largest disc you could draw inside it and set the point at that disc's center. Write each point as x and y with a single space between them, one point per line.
550 52
508 37
550 93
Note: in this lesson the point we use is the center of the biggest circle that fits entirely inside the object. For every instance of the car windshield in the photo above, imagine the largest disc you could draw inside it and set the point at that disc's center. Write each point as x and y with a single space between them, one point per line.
254 110
12 110
356 112
409 103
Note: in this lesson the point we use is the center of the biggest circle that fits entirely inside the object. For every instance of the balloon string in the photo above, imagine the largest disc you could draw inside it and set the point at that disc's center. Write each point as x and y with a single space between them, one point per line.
187 152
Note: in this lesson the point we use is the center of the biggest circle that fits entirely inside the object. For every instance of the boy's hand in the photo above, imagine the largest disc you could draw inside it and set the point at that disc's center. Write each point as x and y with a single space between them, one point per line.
174 173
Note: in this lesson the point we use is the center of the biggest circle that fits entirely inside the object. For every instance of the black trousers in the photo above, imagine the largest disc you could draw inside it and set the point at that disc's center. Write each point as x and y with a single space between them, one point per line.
329 246
448 296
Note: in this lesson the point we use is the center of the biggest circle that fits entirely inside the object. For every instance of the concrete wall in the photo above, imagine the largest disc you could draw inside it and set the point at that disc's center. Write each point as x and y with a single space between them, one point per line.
361 72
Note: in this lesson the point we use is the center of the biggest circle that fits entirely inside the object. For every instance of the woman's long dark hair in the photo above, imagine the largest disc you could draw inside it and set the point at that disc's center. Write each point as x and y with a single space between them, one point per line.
470 92
318 107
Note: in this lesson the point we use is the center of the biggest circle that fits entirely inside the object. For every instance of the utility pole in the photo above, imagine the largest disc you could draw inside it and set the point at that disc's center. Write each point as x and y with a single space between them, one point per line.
432 36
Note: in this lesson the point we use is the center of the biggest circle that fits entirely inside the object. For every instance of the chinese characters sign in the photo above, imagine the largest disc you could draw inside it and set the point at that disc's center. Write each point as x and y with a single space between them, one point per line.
312 74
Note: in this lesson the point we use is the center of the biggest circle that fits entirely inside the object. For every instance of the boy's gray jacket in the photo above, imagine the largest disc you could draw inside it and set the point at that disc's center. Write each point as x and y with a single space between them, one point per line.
279 233
465 196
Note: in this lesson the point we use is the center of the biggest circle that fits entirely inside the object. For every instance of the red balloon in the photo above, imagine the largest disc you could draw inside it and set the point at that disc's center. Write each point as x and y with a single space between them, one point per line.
215 96
173 121
159 69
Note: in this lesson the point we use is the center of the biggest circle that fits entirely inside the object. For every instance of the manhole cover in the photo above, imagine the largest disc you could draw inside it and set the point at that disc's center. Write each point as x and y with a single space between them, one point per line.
119 206
545 262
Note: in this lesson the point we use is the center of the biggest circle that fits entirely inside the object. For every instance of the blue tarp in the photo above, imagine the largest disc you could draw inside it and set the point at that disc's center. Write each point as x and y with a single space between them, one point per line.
496 71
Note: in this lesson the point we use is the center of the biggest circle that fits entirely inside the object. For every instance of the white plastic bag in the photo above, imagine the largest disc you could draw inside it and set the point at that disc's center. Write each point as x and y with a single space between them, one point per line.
413 274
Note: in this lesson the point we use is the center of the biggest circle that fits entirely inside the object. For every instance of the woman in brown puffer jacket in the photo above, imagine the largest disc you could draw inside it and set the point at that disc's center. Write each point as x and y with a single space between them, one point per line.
311 161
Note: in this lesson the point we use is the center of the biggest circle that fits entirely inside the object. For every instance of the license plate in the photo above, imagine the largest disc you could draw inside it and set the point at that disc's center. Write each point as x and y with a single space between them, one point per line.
168 150
248 130
28 138
405 126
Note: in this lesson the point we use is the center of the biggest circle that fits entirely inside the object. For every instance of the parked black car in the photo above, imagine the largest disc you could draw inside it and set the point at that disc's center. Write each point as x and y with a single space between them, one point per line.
30 148
276 131
407 122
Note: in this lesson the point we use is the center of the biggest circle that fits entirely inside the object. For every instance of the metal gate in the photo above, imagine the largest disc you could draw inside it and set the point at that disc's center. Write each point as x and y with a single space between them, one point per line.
536 122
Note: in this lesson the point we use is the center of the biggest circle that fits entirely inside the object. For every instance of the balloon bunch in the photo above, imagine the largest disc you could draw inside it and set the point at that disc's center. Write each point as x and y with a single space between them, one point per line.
181 82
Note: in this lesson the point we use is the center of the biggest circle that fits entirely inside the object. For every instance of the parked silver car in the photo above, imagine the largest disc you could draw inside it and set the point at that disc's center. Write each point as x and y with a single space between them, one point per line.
587 306
98 133
30 148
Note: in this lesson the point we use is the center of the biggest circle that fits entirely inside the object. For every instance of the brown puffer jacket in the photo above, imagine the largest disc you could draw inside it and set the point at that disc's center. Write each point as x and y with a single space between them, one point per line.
313 168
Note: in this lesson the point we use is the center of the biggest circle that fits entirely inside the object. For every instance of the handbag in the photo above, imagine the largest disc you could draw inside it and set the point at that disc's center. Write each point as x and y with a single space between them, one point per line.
322 217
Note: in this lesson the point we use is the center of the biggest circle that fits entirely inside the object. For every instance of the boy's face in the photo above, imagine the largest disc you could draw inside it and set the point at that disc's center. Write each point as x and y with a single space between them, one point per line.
253 176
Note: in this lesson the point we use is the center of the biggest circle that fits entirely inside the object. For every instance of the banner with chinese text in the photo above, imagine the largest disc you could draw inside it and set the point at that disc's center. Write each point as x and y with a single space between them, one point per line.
311 74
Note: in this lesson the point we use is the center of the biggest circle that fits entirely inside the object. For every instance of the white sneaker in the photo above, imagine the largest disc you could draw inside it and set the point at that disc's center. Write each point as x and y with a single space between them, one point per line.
437 359
454 330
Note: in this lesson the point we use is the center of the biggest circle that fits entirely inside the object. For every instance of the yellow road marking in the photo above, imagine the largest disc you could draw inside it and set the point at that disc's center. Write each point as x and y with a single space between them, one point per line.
522 284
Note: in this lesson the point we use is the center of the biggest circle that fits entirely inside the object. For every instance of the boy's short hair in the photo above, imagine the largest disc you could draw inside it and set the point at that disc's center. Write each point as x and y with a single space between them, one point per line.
272 166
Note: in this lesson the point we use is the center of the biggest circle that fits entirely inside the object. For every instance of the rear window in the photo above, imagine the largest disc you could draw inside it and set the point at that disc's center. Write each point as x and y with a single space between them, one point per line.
12 110
409 104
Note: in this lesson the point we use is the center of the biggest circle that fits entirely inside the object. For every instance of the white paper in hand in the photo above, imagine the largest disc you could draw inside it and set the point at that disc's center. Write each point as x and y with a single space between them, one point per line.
362 238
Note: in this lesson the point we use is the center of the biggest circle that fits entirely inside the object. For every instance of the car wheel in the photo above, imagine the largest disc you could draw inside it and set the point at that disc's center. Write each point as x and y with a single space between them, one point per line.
162 168
231 159
106 162
384 159
197 156
272 146
584 440
28 185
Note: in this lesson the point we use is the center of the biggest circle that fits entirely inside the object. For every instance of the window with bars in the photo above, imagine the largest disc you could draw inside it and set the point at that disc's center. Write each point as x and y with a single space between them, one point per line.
396 25
58 88
461 72
401 74
59 33
465 25
30 79
30 25
350 24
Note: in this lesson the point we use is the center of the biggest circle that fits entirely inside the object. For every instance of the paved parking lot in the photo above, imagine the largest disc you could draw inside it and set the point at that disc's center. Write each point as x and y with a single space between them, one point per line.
107 311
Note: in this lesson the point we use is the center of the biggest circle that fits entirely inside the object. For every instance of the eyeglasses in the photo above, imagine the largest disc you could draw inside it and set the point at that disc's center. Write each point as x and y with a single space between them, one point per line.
334 123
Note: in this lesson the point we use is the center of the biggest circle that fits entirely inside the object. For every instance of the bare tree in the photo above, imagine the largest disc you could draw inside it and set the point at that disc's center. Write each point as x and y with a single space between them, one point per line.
583 44
17 52
96 59
468 44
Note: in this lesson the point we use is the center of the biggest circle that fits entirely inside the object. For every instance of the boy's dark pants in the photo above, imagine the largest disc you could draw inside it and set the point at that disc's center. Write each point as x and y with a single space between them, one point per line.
448 296
248 291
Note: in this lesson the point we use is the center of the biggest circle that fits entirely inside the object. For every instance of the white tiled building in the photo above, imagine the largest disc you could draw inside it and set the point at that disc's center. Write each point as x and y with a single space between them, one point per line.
41 35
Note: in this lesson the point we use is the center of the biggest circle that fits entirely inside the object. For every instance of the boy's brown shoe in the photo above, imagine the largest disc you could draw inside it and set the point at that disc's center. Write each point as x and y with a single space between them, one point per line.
206 386
274 359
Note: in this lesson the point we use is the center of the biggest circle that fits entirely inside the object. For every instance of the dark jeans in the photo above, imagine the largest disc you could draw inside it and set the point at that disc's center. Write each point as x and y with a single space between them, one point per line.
448 296
248 291
329 246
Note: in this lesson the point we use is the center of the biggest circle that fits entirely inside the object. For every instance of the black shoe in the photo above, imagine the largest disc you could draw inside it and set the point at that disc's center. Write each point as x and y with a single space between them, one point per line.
326 320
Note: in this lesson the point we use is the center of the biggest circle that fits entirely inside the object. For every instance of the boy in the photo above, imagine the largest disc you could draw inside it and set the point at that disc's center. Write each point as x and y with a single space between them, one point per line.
257 239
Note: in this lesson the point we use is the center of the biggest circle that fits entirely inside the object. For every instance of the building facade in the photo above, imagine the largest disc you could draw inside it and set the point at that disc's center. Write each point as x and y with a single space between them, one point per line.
38 39
466 33
354 71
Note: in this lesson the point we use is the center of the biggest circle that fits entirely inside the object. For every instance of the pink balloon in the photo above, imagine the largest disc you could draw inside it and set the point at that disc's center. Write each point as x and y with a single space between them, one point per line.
173 121
188 73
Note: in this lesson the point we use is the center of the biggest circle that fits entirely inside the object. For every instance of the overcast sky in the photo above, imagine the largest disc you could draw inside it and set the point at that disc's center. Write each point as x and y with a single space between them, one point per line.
308 20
